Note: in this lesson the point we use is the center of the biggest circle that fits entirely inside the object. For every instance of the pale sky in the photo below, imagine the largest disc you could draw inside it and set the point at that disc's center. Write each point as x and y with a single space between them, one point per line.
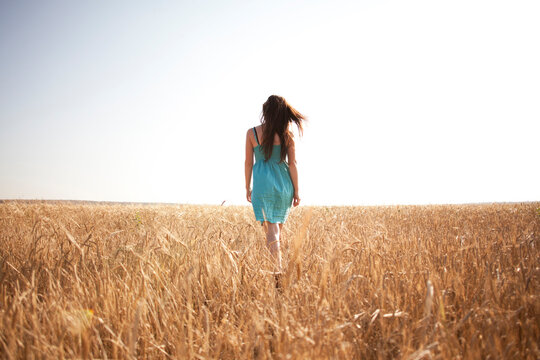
409 102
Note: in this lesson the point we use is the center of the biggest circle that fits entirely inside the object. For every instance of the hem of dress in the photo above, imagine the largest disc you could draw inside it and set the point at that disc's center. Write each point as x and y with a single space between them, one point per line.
272 221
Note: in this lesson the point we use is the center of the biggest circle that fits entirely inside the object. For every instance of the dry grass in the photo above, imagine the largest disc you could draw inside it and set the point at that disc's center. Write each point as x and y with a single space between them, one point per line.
124 281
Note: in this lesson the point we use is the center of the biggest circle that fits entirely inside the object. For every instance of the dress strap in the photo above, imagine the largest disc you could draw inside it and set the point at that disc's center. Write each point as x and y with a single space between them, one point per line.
256 137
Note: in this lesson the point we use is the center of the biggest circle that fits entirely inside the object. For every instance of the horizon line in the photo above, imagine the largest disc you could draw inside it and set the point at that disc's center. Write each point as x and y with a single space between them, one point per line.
224 203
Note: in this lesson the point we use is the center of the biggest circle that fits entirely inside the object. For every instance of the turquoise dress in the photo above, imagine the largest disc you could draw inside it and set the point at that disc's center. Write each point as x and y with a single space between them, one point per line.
273 190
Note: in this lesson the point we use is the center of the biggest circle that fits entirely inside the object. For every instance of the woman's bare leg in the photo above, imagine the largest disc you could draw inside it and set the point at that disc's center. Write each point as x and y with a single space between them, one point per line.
272 242
280 232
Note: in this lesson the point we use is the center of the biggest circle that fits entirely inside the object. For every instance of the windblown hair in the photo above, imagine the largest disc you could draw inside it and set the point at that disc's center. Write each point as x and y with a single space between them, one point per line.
275 119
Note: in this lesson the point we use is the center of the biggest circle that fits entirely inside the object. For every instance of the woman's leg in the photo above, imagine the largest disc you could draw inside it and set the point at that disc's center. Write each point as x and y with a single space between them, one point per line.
280 232
272 242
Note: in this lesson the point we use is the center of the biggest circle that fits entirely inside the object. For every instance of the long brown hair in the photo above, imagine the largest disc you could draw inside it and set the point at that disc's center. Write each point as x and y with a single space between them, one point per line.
275 119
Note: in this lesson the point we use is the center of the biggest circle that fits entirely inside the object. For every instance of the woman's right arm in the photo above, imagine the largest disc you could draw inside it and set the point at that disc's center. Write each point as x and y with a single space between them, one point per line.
291 155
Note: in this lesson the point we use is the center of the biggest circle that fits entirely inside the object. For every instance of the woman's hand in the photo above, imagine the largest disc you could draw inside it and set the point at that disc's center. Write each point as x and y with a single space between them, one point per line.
248 195
296 199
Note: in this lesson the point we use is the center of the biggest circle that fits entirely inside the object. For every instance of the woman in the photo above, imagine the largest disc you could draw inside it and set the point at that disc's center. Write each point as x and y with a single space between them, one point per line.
275 182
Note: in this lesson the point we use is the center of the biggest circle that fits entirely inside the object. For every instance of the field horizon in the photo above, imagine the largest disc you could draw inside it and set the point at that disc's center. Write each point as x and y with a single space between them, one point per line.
87 280
226 203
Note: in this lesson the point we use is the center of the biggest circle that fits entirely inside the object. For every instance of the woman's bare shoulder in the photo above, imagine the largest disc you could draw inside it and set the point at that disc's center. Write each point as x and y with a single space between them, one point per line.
258 127
249 131
290 140
250 136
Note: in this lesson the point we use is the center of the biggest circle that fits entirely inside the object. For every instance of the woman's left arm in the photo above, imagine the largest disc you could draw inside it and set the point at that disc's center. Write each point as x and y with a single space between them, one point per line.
248 165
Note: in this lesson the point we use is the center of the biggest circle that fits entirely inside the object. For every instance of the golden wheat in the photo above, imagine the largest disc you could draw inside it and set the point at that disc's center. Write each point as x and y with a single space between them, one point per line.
164 281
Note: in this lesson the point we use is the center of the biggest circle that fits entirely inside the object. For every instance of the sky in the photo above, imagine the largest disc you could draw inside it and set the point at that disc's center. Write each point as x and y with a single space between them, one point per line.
408 102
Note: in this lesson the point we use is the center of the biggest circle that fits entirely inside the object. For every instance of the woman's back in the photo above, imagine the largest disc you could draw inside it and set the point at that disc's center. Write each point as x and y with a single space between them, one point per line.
260 135
258 149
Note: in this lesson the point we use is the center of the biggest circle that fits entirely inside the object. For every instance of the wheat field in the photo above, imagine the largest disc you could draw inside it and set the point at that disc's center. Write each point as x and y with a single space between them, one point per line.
194 282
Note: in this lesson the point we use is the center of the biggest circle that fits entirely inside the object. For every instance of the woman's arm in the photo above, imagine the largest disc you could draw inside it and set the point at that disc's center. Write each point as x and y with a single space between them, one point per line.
248 165
291 155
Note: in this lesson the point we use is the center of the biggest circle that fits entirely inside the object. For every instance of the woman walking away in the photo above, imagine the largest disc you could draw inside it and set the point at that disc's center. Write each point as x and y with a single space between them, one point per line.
275 182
